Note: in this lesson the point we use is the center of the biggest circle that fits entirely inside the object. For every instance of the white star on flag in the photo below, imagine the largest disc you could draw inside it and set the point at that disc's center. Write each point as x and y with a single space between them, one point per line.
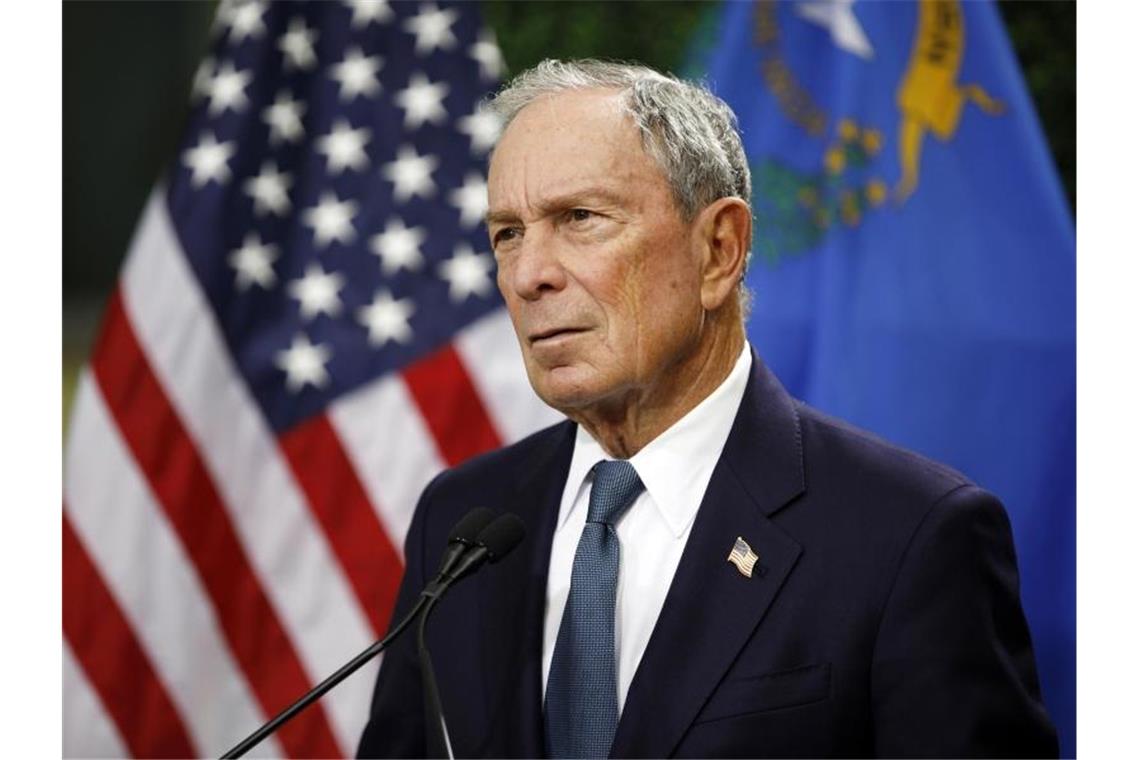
411 174
269 190
357 74
297 45
471 200
364 12
243 17
387 319
227 89
208 160
284 119
343 147
467 273
838 17
331 219
482 127
399 247
304 364
253 263
317 291
432 28
422 101
486 52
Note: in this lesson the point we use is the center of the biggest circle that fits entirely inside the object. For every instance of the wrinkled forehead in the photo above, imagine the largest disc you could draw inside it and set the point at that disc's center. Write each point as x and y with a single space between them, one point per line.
566 138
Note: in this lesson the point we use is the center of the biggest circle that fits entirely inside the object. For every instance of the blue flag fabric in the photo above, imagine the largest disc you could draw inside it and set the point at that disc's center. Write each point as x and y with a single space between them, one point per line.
914 263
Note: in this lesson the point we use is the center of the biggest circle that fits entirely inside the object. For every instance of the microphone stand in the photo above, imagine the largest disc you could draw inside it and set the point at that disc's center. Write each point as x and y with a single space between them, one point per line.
320 689
438 739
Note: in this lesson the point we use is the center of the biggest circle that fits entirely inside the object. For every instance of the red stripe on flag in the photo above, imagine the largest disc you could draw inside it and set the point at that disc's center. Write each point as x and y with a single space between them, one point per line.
167 456
451 406
338 500
118 668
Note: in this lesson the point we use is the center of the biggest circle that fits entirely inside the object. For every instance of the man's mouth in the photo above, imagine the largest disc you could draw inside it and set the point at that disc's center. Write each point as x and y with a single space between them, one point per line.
553 333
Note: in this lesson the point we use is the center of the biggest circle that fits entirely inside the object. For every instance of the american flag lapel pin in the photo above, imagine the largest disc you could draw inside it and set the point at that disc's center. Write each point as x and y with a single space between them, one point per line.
743 557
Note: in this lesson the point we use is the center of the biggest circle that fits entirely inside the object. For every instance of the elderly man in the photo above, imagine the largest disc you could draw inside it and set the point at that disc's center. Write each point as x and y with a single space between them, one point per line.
711 568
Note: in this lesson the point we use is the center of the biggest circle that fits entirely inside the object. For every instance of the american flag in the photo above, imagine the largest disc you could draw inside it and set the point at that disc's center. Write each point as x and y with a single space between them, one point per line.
743 557
305 331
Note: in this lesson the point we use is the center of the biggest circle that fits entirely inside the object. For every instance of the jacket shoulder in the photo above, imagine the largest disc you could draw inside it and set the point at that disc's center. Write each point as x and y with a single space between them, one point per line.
839 454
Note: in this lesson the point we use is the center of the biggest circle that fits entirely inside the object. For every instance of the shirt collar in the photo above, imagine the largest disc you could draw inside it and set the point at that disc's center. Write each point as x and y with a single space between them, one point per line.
677 465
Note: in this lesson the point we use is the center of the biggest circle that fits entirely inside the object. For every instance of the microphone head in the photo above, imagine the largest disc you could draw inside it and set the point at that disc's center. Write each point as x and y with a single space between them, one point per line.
501 536
468 529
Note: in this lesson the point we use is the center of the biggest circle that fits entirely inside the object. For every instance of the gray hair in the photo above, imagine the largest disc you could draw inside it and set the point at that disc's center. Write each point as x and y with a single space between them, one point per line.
690 132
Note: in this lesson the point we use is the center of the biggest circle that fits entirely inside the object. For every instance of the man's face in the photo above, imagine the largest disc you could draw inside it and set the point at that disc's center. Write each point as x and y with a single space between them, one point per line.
600 273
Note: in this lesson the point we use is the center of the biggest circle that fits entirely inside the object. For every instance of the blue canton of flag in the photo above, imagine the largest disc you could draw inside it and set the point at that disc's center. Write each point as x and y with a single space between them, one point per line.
914 263
330 193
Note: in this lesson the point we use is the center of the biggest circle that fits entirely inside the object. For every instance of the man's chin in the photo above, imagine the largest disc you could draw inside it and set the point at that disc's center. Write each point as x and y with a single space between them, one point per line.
565 388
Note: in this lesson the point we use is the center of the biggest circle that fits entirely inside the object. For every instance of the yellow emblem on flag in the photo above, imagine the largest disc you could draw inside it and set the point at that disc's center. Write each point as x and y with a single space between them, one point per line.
743 557
930 97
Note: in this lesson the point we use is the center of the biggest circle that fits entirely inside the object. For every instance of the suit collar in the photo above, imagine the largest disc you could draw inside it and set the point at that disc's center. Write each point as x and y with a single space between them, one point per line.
712 610
765 449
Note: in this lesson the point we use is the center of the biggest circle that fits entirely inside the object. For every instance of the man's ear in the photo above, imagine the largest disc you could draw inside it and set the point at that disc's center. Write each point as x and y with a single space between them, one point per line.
724 228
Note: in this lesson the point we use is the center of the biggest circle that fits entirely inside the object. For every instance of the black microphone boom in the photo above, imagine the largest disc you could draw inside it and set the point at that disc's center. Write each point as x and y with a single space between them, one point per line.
476 533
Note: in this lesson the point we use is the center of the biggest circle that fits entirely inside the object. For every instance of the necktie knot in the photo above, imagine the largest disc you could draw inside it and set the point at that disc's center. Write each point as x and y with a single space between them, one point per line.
616 485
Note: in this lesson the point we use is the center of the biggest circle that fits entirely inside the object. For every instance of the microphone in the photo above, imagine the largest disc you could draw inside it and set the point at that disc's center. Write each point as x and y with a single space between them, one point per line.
492 544
464 536
476 532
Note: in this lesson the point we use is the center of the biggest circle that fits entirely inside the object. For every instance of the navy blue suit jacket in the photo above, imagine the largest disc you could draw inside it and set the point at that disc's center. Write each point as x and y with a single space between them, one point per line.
882 619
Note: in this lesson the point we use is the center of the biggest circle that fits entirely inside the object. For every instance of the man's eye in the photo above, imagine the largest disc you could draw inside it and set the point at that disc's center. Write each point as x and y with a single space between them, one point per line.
580 214
504 235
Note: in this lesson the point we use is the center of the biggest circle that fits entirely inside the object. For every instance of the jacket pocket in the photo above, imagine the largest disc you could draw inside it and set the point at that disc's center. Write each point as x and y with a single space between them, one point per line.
770 691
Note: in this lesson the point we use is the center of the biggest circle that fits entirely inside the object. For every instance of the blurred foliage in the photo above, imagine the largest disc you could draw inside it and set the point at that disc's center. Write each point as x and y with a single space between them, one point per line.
72 364
1044 36
127 68
654 33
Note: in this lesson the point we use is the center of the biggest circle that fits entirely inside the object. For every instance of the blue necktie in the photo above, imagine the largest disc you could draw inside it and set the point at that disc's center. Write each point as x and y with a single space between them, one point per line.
581 692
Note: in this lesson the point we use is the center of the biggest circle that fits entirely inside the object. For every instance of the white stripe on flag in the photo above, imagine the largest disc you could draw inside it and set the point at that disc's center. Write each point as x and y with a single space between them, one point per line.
491 354
87 729
145 567
286 546
391 449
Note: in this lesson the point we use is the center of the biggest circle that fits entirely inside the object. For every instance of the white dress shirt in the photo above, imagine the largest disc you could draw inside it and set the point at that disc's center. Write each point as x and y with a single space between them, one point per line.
675 467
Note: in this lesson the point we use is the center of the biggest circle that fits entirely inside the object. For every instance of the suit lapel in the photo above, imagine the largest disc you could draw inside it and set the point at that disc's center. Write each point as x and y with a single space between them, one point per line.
514 603
711 609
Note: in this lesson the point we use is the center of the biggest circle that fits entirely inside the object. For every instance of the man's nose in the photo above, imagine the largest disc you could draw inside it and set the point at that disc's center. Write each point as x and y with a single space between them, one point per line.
536 269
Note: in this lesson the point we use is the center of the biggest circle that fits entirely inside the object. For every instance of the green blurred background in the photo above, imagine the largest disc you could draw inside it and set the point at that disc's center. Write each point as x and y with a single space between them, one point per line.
127 67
